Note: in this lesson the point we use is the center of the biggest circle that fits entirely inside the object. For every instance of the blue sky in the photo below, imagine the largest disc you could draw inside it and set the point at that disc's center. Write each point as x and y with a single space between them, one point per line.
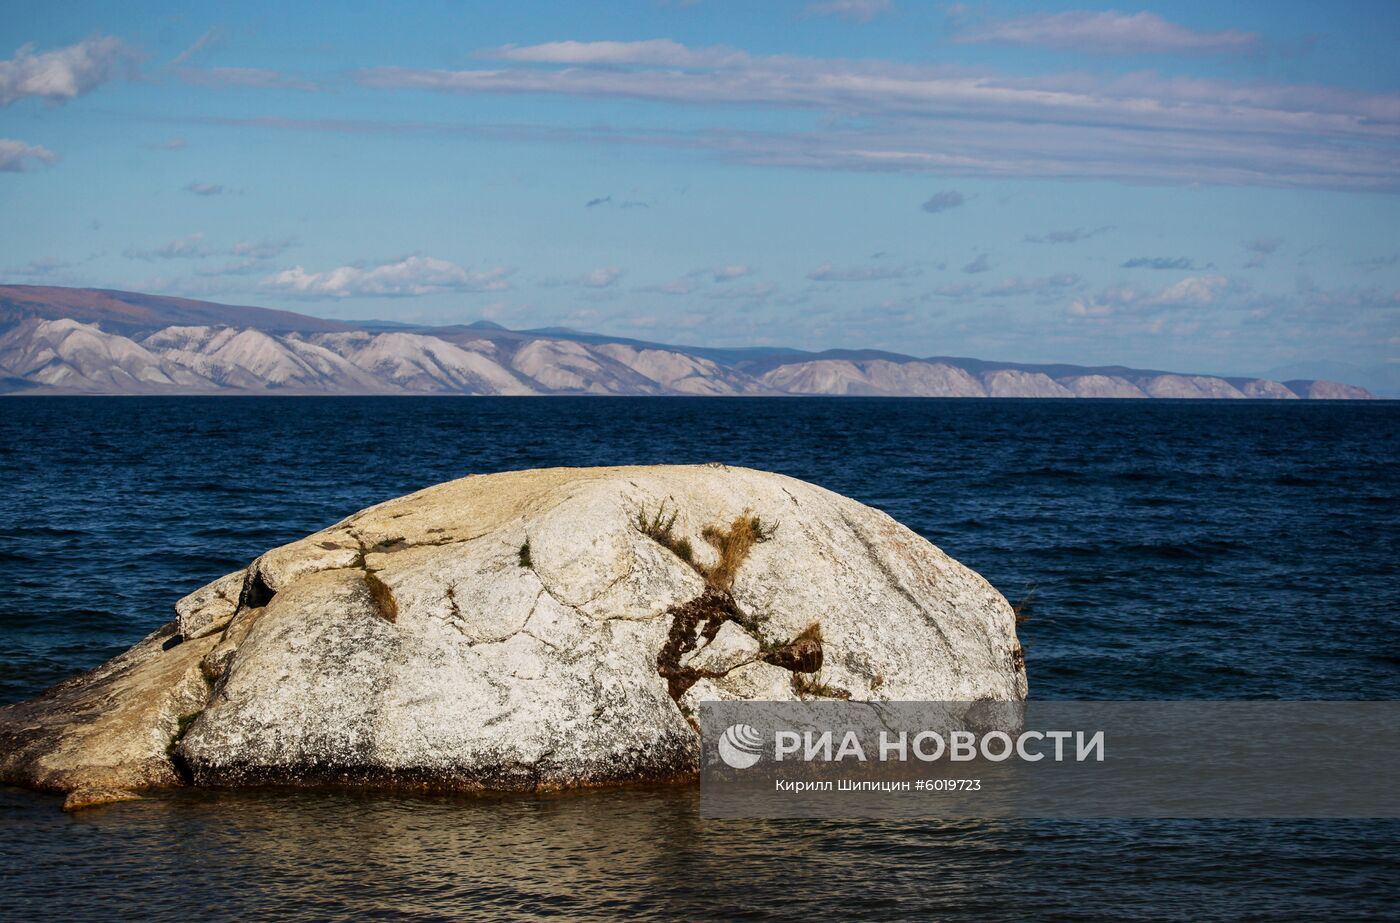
1199 186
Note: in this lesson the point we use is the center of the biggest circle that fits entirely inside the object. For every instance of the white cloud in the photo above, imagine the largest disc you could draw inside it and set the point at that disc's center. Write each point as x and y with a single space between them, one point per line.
827 273
1193 291
658 69
1089 307
682 286
415 275
260 249
205 189
854 10
603 277
64 73
663 52
193 247
731 272
957 290
1042 285
189 247
946 120
1107 32
16 155
1190 292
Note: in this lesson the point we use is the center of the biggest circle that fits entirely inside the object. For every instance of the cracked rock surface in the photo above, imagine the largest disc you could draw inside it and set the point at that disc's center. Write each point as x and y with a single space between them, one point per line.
517 631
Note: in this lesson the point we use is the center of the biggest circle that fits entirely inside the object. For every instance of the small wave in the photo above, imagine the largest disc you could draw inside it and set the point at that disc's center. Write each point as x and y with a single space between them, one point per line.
43 531
1140 476
1294 480
1158 501
1051 472
1191 550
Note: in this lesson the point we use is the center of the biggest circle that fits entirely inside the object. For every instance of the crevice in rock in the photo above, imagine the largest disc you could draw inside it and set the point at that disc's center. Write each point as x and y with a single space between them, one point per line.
535 770
631 565
872 555
706 612
172 749
255 593
716 605
183 723
359 544
397 543
567 605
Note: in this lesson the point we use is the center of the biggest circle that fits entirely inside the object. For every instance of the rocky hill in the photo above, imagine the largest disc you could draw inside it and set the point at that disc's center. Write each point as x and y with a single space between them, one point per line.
87 341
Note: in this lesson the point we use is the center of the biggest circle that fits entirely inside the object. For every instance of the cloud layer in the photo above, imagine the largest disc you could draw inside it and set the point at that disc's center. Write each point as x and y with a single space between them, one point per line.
953 121
1107 32
415 275
1190 292
854 10
828 273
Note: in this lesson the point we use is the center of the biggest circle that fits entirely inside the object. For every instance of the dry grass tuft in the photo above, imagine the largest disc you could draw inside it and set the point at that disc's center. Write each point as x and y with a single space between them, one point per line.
734 545
803 654
660 528
383 598
809 685
1022 607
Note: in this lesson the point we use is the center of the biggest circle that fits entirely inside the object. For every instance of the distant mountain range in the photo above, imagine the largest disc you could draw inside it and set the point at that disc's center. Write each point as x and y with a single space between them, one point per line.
90 341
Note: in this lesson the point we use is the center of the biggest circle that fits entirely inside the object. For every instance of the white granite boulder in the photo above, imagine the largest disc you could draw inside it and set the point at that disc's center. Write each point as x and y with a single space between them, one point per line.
526 630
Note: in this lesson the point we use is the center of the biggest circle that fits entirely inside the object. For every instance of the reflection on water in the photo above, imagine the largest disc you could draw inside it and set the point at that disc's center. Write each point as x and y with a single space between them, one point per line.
645 853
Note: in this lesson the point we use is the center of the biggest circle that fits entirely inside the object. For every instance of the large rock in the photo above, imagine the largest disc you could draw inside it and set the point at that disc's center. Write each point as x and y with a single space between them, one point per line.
527 630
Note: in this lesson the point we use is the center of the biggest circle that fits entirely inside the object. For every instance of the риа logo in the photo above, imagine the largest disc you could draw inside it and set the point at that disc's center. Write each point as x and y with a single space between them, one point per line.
740 746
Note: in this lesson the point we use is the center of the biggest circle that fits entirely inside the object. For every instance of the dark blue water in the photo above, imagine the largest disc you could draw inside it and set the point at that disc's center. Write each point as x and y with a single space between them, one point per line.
1167 550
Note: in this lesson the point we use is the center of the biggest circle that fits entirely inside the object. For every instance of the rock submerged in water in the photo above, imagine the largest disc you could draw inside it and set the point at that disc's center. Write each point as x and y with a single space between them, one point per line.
522 631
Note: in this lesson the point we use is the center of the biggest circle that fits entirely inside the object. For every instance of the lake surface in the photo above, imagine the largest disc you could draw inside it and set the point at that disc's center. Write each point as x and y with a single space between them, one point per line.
1168 550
